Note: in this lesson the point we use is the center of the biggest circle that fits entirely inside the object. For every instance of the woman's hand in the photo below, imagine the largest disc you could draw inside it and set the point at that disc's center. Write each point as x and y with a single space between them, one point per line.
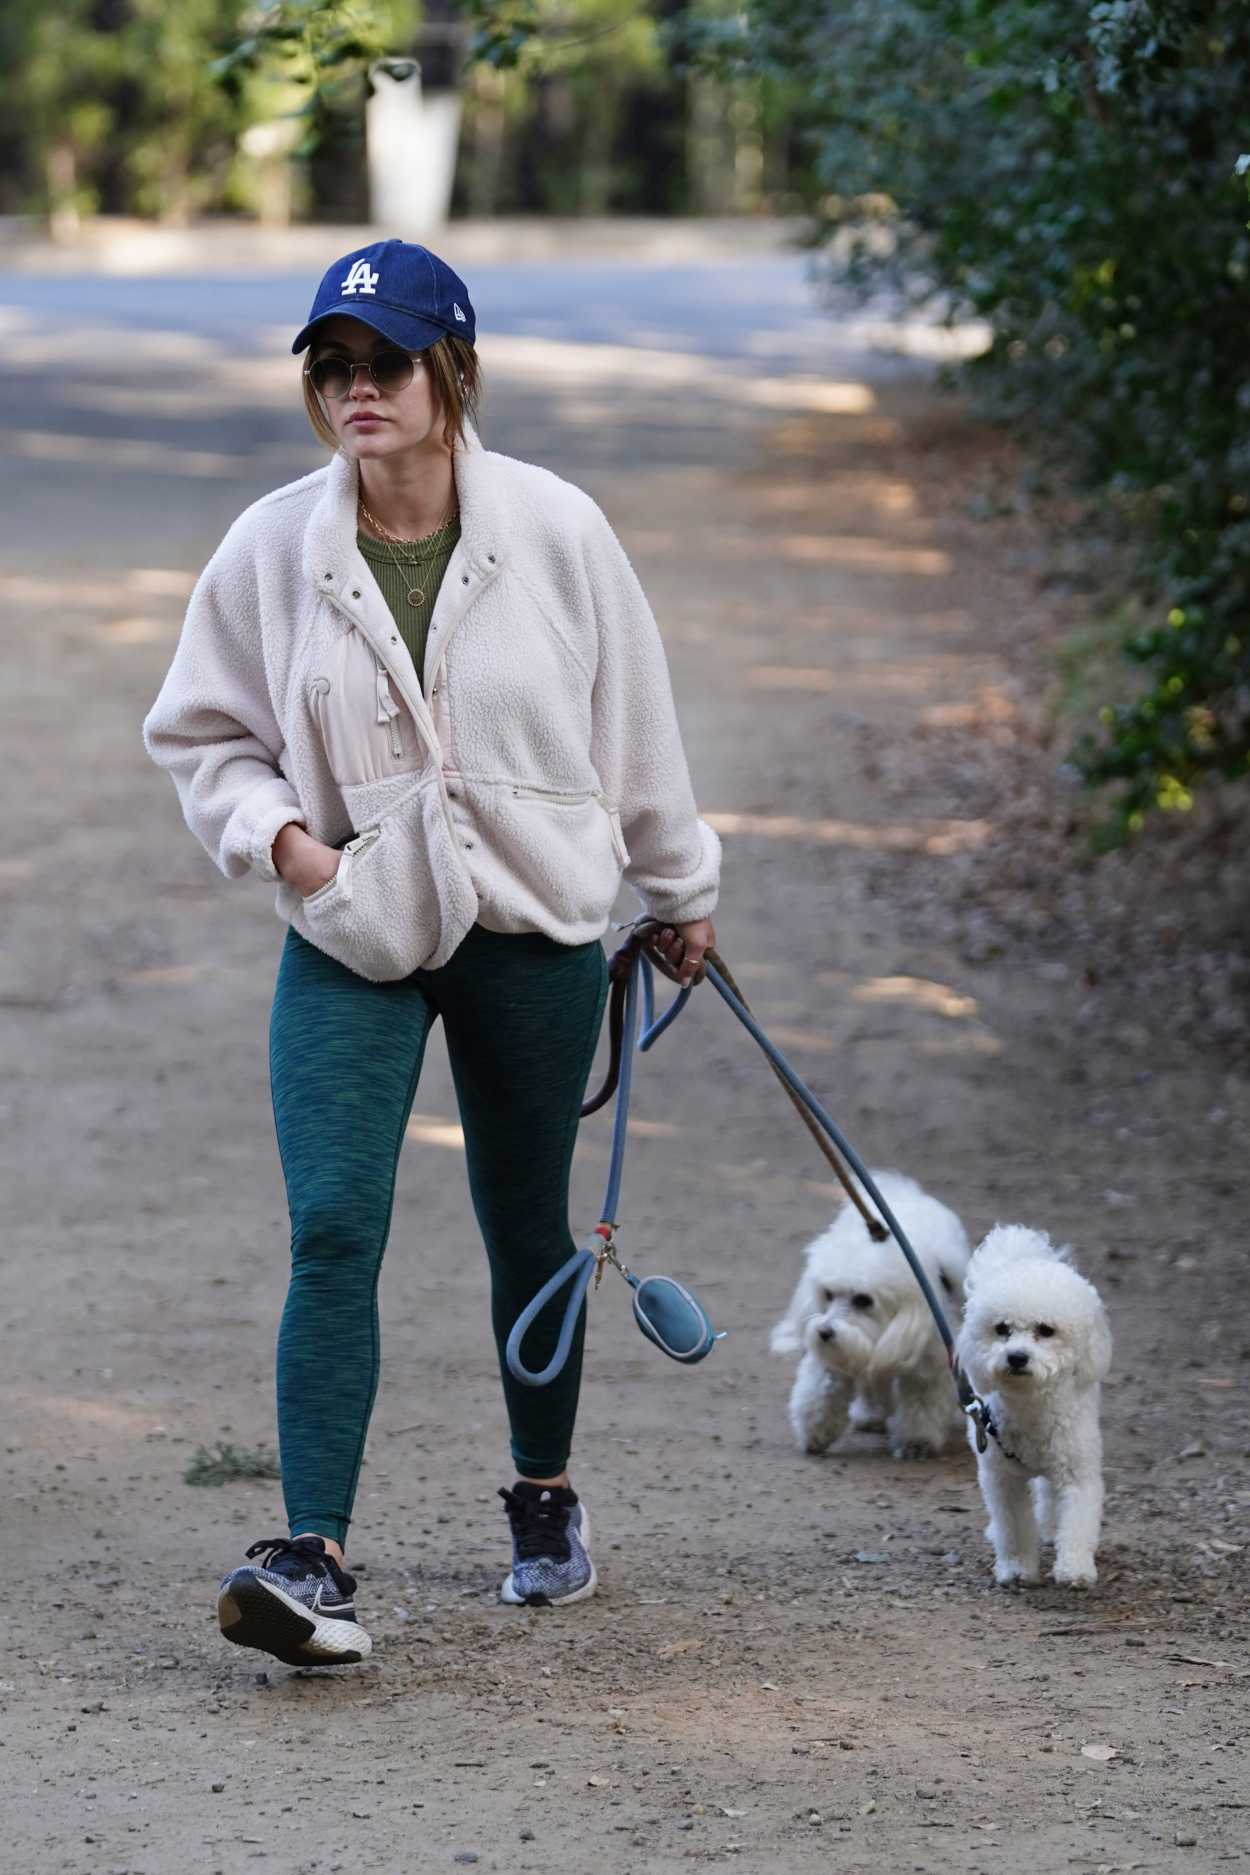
304 863
682 947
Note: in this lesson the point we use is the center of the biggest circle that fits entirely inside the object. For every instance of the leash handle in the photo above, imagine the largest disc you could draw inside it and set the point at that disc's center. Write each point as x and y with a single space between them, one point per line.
576 1273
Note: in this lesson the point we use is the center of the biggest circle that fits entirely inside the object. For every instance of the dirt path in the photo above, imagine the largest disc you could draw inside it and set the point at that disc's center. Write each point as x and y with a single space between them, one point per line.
793 1665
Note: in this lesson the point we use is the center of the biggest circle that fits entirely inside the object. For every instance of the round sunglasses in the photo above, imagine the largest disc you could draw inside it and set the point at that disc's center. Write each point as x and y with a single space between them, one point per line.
391 370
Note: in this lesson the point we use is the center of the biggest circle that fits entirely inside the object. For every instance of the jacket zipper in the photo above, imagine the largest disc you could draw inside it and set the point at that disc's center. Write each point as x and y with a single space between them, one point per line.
564 797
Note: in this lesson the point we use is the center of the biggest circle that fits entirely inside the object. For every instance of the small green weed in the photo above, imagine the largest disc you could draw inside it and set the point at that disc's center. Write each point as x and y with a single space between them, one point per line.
227 1462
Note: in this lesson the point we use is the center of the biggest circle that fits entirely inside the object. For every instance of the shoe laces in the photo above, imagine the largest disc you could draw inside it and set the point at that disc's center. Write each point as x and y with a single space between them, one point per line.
300 1556
540 1525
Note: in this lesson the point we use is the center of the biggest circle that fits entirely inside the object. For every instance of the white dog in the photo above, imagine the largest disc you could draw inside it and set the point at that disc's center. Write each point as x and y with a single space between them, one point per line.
1035 1344
872 1355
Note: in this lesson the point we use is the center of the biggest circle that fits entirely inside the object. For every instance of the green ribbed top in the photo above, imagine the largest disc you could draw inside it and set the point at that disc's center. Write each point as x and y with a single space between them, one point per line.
397 582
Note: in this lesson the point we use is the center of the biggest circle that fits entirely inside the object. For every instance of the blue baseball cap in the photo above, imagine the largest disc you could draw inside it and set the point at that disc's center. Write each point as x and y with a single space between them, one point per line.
403 291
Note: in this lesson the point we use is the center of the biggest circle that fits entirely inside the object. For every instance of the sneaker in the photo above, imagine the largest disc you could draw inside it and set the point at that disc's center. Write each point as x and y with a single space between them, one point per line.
296 1604
550 1546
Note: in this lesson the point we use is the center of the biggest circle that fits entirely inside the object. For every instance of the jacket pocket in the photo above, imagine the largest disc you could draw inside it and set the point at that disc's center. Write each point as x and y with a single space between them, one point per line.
556 856
350 855
382 914
576 797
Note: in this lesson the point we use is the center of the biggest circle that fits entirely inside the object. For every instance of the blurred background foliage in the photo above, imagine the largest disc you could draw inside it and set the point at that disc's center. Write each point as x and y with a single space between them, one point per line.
135 107
1073 174
1069 171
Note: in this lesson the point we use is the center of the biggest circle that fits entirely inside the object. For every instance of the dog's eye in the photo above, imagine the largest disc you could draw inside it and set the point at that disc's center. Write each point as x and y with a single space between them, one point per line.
1003 1329
861 1302
826 1296
1045 1330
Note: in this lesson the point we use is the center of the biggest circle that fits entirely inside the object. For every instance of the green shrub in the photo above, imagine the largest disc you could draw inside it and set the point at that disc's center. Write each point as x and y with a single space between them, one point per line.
1069 173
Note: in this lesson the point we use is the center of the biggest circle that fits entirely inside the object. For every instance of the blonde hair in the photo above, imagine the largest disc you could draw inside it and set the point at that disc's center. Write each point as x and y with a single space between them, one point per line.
455 378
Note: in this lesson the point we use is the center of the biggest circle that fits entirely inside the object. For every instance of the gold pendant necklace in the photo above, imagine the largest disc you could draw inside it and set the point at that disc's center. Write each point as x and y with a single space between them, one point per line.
415 594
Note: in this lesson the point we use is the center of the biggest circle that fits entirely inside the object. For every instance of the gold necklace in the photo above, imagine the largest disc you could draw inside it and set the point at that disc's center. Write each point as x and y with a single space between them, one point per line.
415 594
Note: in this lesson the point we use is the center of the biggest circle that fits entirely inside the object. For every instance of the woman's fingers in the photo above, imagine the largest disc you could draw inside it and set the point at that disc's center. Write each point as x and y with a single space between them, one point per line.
691 967
695 940
667 946
683 947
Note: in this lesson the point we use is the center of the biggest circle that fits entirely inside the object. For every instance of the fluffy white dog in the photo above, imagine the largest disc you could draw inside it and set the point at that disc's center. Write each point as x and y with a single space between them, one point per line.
872 1355
1036 1346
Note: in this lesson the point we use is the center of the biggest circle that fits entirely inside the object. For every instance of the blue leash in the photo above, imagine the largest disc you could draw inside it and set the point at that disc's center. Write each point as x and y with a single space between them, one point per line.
665 1310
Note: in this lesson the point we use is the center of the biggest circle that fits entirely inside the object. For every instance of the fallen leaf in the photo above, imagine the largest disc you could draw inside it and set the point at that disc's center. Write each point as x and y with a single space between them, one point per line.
599 1783
1101 1754
677 1647
871 1556
725 1812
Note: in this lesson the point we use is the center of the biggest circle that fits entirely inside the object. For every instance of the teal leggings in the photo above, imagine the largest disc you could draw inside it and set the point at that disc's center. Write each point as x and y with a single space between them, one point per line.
522 1015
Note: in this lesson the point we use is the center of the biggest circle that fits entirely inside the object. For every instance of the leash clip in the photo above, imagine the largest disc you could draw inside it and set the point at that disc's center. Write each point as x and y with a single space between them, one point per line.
605 1253
982 1419
979 1413
974 1407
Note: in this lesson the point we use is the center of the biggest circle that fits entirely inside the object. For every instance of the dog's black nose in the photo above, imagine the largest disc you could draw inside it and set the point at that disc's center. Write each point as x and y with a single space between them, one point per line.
825 1332
1017 1360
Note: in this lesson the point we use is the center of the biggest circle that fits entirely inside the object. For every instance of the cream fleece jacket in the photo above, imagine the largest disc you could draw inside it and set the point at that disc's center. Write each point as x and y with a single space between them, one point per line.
542 762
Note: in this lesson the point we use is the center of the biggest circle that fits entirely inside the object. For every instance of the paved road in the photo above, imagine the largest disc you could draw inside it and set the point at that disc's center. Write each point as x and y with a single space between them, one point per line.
169 375
607 365
720 308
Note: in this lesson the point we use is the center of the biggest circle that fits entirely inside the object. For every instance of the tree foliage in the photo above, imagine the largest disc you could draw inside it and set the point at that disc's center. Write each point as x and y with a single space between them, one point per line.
111 104
323 50
1070 173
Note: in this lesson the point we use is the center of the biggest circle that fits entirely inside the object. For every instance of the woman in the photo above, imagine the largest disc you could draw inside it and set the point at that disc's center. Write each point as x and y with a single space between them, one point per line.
421 690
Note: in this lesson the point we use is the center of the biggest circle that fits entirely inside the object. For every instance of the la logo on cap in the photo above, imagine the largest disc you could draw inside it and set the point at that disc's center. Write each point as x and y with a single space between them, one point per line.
361 279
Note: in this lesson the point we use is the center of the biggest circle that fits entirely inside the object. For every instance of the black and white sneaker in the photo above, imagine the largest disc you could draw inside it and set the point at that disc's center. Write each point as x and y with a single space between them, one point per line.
550 1546
296 1604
